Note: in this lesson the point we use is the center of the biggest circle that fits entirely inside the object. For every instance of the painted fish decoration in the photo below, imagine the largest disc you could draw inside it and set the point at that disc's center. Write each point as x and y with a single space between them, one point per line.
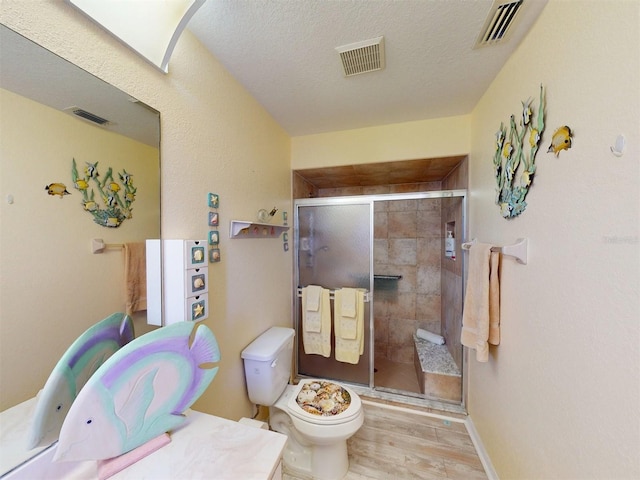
91 170
561 140
81 360
125 178
57 189
140 392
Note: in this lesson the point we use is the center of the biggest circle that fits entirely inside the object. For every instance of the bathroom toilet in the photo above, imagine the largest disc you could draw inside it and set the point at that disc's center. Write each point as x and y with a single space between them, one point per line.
317 415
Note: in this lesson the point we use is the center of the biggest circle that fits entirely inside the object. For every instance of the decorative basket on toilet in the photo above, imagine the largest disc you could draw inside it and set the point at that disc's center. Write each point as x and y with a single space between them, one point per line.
317 415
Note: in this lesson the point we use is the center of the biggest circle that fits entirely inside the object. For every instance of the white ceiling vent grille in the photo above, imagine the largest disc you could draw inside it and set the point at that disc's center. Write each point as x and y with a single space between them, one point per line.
499 21
362 57
87 116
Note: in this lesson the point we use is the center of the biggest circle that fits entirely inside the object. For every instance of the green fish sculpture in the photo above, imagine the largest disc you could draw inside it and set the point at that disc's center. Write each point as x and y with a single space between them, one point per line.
81 360
140 392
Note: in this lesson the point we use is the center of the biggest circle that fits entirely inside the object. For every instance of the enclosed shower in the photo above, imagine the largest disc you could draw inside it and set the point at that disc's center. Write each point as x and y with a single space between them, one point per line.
392 246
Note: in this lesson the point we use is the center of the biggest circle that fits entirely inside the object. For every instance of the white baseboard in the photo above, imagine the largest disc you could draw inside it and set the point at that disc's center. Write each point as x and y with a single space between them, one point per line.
482 453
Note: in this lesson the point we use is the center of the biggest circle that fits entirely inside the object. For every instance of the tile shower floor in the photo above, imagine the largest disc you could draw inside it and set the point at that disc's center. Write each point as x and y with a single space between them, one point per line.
396 375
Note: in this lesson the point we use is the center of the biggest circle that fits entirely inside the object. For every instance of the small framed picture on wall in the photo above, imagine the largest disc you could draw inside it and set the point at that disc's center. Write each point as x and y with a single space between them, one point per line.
214 255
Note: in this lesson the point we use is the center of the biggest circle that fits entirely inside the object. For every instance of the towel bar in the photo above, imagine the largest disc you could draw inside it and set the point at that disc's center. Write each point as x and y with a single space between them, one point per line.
367 297
518 250
98 245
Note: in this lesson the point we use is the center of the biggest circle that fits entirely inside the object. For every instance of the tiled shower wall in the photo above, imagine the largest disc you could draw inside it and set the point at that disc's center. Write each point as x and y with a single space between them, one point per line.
407 242
452 282
452 277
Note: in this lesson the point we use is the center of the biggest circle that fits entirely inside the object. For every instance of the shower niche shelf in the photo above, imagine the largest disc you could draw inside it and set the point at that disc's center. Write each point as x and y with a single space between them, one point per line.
245 229
387 277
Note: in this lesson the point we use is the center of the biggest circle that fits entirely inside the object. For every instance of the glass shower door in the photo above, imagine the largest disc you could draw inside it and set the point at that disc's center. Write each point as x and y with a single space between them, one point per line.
334 250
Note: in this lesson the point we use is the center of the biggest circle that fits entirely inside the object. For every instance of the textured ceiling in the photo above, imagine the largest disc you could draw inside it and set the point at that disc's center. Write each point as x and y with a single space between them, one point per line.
283 52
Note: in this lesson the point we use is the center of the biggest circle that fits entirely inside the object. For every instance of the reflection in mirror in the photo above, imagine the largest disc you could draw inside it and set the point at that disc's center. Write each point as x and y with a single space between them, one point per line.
52 287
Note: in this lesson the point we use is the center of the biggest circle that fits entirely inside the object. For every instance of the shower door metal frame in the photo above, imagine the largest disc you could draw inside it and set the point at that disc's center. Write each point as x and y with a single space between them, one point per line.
363 199
330 201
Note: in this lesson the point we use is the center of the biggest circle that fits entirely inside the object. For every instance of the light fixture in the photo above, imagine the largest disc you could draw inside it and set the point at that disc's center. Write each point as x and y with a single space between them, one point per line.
150 28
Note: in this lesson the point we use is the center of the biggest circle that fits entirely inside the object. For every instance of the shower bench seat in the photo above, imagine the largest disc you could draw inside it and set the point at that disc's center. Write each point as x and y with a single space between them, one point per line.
438 375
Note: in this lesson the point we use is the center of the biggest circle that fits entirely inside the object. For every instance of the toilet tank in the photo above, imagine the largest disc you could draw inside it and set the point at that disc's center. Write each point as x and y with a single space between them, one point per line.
267 365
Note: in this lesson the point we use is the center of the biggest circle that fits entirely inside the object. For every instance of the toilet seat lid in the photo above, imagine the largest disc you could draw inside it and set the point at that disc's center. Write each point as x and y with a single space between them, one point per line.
296 410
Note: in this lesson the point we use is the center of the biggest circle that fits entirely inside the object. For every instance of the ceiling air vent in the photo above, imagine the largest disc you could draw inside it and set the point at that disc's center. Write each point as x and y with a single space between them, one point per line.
362 57
88 116
501 17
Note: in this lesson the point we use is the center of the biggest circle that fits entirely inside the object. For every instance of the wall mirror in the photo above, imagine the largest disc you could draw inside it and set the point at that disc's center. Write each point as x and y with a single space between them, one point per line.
52 286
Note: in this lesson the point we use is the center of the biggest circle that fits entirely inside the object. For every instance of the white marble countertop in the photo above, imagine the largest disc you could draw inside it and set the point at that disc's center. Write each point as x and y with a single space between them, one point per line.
14 428
206 447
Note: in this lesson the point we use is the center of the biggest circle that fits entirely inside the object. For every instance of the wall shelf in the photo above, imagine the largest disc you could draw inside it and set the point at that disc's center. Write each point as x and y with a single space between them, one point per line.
387 277
245 229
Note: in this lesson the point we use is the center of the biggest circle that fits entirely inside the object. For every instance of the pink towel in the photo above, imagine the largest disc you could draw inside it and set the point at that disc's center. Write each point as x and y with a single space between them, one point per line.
481 315
494 299
135 277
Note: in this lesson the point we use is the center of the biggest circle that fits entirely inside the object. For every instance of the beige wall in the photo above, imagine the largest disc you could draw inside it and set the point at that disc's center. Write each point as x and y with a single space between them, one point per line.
52 287
215 138
559 398
442 137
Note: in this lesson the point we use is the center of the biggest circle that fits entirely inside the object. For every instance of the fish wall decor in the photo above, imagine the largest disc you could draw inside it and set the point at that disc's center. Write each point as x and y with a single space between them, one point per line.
561 140
59 189
515 155
140 392
81 360
116 198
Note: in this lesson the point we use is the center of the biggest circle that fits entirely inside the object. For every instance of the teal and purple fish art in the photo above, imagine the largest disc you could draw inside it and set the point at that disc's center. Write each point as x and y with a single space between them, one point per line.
81 360
140 392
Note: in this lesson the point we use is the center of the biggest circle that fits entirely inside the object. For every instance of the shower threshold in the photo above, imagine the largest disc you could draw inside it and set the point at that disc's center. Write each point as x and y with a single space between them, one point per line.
407 398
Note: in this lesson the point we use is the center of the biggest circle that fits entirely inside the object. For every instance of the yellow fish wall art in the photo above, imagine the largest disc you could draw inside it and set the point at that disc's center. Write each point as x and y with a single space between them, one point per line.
561 140
514 157
117 198
59 189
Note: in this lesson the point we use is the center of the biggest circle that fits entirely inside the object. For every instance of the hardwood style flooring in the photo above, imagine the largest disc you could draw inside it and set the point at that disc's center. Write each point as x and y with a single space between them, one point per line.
400 444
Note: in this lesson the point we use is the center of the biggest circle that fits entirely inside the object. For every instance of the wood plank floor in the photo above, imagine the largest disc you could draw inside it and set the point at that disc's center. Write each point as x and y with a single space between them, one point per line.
399 444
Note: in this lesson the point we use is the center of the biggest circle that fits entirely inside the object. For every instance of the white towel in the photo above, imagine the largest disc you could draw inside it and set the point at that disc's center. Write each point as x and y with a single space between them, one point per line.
312 313
349 307
430 336
349 302
313 297
318 343
481 301
349 349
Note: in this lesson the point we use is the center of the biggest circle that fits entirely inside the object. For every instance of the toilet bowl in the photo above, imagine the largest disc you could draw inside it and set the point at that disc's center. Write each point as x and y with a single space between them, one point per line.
317 415
317 444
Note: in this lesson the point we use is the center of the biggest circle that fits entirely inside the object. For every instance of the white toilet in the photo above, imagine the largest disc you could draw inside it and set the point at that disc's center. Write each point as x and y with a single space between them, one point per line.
317 444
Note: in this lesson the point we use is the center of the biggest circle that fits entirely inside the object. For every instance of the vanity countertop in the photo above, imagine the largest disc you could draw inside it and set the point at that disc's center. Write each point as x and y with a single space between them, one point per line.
14 429
210 447
205 447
